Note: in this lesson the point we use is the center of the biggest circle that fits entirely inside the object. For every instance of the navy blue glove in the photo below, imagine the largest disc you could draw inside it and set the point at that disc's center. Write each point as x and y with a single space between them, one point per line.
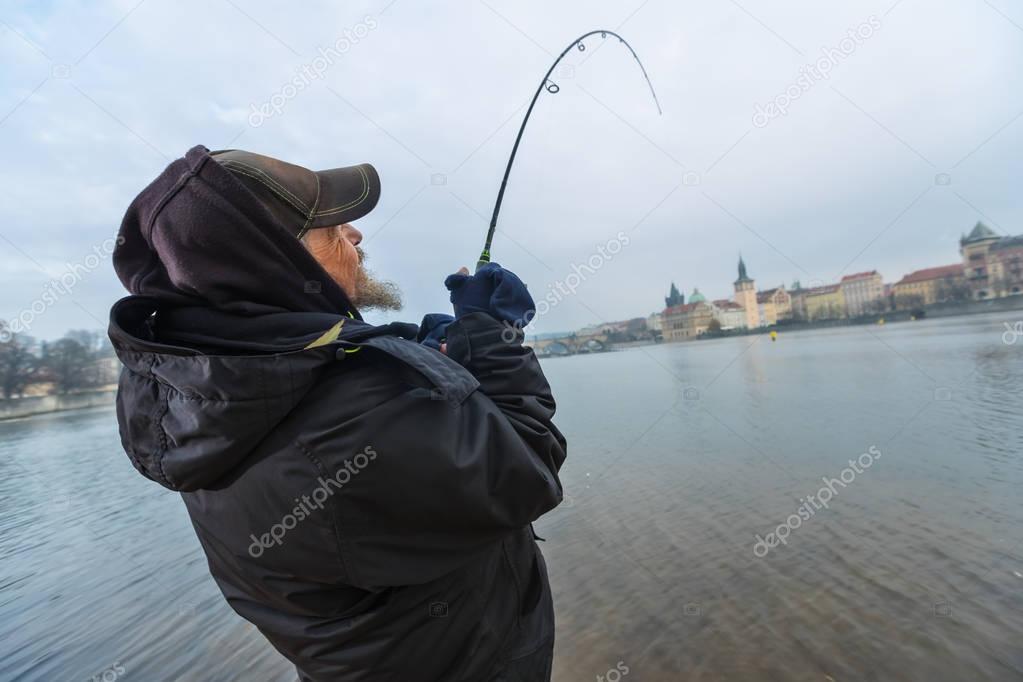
492 290
434 329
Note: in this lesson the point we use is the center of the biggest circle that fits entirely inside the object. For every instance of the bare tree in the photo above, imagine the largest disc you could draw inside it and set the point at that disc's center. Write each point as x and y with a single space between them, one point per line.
97 369
18 364
66 363
909 301
877 306
953 290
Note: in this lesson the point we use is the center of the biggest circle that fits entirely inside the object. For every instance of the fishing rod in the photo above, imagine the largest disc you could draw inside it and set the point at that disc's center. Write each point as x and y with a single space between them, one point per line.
551 87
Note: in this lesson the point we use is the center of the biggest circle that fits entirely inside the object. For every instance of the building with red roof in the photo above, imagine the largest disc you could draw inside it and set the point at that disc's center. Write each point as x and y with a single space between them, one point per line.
930 285
863 293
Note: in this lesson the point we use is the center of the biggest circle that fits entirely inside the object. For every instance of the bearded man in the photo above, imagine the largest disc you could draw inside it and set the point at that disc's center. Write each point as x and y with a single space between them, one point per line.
364 493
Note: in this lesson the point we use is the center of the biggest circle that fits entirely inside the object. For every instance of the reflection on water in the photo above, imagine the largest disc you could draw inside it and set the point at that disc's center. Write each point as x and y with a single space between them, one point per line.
679 456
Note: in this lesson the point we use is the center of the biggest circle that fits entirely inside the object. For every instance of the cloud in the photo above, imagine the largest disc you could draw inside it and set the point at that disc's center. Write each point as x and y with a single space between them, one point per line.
439 90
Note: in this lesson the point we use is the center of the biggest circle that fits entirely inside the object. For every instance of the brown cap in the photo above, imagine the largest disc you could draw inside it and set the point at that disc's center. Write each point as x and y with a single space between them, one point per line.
302 199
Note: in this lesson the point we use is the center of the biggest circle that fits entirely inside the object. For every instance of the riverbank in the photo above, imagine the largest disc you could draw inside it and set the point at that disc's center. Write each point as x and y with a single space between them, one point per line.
936 310
17 408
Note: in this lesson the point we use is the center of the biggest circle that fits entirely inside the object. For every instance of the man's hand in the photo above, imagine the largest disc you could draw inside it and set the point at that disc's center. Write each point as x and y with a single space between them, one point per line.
433 331
492 290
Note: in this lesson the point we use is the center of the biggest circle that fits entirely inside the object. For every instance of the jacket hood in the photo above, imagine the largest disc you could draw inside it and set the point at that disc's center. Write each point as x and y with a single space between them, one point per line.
225 300
196 236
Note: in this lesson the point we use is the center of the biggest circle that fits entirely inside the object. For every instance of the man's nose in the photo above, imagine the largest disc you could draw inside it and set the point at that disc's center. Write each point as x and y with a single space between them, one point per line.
351 234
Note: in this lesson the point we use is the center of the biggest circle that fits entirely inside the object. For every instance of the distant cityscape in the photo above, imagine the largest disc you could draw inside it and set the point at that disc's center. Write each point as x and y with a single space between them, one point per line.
991 266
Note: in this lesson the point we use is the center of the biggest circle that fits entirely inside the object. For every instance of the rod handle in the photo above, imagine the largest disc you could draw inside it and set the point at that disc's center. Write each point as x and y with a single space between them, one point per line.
484 259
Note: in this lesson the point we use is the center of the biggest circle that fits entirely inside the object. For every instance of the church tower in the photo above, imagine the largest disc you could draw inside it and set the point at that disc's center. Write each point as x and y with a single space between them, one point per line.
674 298
746 296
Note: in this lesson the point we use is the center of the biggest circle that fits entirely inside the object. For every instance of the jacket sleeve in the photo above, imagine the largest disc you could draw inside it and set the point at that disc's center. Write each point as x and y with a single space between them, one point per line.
510 376
452 475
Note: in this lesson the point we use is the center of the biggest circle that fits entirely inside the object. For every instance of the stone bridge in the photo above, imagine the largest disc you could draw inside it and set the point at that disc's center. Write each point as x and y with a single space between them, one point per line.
570 345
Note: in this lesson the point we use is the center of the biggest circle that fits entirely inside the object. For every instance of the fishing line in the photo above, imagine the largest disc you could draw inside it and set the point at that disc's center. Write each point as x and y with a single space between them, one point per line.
551 87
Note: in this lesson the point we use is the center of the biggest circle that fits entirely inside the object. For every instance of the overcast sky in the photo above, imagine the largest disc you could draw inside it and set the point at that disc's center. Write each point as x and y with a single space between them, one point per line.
912 138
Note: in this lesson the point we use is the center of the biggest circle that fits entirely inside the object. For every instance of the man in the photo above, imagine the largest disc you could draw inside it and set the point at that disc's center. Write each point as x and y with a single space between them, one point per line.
364 499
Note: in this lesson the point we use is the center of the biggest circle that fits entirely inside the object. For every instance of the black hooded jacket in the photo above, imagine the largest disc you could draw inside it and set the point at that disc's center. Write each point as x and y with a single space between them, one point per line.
363 500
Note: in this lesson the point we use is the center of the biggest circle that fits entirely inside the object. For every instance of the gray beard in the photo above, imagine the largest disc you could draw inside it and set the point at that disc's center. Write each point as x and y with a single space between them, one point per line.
373 293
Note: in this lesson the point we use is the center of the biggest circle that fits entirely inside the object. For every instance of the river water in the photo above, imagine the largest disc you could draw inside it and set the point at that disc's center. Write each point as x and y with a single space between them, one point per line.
680 456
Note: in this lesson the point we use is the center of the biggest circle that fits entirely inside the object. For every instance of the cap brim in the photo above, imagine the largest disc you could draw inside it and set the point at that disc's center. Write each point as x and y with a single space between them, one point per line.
346 194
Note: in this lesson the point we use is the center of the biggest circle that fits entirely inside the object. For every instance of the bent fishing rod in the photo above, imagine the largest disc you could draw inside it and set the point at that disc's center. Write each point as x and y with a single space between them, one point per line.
552 88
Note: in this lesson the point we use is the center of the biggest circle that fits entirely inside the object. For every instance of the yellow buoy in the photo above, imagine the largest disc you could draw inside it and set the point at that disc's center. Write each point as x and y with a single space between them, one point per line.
774 335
